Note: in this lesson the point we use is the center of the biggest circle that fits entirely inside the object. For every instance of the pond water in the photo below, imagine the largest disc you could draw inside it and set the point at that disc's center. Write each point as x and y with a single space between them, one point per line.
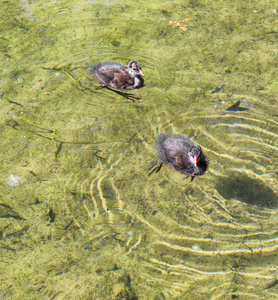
79 216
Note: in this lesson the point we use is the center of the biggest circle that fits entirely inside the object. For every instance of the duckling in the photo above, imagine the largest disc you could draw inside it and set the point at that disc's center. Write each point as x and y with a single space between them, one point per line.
182 154
119 76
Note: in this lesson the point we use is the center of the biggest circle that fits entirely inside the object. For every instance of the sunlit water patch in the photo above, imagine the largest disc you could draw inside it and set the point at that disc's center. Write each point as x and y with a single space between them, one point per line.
219 228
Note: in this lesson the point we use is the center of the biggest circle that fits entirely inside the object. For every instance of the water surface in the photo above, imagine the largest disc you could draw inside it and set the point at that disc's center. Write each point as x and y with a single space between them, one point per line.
79 216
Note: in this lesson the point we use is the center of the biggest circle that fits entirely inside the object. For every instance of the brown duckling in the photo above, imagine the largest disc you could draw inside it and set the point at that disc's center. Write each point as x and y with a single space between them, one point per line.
182 154
118 75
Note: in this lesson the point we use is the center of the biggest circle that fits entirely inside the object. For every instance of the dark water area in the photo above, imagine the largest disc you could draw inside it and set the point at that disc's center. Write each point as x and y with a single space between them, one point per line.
79 216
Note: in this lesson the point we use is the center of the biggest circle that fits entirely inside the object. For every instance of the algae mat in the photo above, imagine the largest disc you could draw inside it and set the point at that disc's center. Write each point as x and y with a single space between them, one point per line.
79 216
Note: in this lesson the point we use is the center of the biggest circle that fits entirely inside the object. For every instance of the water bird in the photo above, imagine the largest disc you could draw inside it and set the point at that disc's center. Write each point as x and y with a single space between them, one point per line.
119 76
182 154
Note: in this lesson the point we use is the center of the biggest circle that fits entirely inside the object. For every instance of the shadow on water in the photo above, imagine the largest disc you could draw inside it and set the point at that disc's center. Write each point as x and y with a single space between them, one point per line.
248 190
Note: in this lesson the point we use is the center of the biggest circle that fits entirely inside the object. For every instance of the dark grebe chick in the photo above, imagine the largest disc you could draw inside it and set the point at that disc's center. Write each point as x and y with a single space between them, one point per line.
182 154
118 75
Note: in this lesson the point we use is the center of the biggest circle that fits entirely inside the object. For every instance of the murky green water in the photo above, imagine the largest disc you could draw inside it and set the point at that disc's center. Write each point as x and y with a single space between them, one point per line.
79 216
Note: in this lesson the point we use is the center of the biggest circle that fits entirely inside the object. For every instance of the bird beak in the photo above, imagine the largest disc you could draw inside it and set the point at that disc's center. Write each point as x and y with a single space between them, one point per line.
195 161
141 73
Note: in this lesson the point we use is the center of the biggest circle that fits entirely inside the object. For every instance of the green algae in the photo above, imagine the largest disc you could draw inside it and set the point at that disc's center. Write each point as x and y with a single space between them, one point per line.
83 154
